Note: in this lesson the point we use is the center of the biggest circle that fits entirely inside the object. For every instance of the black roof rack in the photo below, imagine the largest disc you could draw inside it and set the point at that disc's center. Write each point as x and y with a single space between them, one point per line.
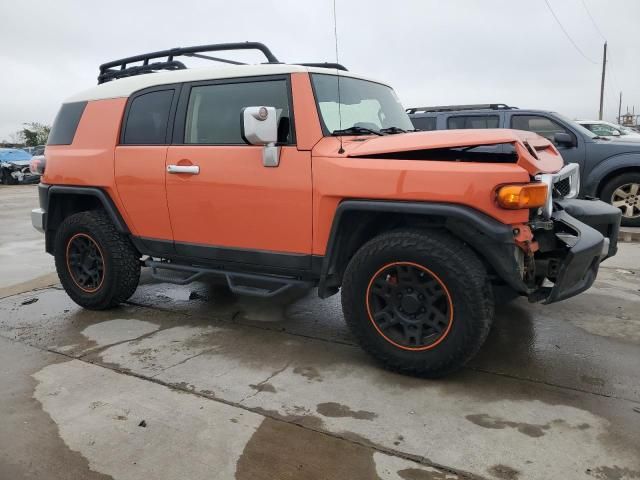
454 108
337 66
122 68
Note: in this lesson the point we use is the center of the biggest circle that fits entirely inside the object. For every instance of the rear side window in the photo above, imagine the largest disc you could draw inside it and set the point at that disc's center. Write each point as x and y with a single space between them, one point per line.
473 121
148 118
424 123
214 111
66 123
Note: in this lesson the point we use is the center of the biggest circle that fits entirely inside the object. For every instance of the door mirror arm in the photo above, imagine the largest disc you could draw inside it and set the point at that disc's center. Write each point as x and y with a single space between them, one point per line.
260 127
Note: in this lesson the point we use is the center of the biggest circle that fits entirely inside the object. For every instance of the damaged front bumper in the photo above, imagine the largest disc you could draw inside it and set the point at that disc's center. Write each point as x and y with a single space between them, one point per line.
19 173
583 233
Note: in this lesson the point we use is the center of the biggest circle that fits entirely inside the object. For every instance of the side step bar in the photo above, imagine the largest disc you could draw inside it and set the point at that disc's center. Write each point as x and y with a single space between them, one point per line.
239 283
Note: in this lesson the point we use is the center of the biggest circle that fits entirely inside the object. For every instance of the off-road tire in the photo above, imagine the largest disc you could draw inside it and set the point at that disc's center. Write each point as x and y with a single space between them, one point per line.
458 269
121 272
606 193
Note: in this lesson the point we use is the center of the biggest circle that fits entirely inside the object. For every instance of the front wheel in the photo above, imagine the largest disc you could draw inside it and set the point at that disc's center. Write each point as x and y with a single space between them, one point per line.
419 302
97 265
623 192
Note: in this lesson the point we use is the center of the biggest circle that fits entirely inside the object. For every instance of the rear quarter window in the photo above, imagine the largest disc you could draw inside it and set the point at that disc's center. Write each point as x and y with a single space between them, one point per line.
473 121
66 123
424 123
148 118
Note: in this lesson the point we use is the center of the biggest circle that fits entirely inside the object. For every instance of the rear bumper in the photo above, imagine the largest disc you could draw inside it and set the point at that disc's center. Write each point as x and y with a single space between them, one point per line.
588 232
38 218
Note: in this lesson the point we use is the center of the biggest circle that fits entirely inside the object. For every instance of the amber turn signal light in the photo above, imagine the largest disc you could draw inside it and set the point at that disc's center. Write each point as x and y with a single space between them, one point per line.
530 195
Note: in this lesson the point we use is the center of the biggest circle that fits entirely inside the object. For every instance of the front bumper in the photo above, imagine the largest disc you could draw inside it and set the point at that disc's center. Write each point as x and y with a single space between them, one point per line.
587 232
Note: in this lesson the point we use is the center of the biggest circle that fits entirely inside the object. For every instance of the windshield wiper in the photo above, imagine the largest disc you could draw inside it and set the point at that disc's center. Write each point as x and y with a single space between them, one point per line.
393 130
355 131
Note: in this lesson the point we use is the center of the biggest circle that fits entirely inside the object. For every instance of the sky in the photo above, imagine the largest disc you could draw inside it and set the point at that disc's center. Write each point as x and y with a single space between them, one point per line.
433 52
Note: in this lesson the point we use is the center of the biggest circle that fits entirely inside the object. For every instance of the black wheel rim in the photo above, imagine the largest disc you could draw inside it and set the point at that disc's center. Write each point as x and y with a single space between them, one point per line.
409 306
85 262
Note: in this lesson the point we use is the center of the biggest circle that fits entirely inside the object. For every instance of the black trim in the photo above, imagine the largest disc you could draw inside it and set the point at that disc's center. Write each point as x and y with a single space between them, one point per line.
183 104
233 259
106 201
493 240
176 87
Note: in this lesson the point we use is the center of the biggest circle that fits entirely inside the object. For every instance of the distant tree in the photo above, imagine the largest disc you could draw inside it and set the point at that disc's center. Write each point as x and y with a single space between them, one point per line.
35 134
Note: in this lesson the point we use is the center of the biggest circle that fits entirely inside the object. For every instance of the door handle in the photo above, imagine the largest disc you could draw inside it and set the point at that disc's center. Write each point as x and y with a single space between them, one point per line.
191 169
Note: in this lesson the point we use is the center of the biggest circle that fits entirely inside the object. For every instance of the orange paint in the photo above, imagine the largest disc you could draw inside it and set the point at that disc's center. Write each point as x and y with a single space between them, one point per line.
237 202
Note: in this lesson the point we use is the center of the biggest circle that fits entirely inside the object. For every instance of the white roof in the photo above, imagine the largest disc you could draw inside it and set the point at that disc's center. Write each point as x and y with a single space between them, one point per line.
124 87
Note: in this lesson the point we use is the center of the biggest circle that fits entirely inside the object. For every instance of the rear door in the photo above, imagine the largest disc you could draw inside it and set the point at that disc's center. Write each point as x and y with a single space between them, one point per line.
140 164
231 207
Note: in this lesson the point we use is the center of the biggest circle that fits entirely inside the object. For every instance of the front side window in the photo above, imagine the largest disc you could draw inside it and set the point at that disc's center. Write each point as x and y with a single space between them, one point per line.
543 126
473 121
148 119
360 103
214 112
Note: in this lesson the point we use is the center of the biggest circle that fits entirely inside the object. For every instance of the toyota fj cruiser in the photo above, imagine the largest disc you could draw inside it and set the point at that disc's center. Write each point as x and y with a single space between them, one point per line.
276 175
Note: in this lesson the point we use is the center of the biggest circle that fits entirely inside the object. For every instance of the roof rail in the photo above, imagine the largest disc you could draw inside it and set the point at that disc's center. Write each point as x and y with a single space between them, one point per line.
454 108
337 66
119 68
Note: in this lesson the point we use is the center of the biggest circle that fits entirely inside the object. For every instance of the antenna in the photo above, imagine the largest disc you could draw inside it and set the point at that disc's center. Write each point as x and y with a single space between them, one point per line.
335 35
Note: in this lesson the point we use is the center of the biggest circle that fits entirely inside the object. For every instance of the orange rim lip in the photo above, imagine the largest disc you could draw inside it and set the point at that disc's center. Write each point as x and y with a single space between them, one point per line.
104 267
449 301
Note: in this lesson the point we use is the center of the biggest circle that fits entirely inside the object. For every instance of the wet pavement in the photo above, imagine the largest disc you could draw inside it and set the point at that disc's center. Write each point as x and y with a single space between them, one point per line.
192 382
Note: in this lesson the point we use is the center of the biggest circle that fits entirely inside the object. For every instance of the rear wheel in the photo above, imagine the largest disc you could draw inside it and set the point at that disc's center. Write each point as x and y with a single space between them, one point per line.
623 192
418 302
97 265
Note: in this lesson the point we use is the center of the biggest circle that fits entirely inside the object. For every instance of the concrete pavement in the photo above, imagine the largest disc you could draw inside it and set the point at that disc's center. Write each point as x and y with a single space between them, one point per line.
190 382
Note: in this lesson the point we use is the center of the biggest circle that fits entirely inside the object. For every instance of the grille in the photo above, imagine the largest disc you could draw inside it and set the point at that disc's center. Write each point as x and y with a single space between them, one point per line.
562 188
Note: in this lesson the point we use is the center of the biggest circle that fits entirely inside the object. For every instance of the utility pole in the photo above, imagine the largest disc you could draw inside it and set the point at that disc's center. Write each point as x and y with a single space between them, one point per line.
620 109
604 63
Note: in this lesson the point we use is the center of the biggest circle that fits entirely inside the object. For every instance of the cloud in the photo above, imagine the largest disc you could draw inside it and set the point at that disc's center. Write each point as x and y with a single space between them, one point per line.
432 51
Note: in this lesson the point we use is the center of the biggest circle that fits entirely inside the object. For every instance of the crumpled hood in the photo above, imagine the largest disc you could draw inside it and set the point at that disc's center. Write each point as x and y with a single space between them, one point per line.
535 153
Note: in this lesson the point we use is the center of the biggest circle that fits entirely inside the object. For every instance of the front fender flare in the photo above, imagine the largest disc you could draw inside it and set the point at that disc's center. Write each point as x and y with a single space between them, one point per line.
493 240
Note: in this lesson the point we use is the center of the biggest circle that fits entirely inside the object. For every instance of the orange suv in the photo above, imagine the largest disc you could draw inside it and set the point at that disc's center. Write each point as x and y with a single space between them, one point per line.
276 175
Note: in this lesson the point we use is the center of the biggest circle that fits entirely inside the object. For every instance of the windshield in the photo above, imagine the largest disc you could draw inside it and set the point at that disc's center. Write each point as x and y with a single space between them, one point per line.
362 104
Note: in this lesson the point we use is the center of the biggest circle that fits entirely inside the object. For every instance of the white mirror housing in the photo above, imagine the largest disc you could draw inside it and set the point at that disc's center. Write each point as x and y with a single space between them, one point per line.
260 125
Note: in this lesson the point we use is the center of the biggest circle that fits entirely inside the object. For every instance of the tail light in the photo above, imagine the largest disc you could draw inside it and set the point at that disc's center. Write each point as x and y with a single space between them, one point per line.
37 164
530 195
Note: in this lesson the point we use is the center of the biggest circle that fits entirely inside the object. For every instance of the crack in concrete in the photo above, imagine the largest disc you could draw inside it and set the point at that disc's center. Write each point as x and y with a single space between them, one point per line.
270 377
346 437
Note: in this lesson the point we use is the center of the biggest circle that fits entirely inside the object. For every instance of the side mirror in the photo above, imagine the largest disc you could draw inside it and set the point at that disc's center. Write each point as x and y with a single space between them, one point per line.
260 127
563 139
615 133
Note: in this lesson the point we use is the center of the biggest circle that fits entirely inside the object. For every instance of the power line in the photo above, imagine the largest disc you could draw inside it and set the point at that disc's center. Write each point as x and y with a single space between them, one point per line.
567 34
593 20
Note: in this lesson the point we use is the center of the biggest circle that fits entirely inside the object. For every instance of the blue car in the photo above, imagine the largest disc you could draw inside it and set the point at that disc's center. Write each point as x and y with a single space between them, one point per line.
14 167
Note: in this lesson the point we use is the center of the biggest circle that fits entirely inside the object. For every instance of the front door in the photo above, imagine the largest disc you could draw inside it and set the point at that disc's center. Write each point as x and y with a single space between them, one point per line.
228 206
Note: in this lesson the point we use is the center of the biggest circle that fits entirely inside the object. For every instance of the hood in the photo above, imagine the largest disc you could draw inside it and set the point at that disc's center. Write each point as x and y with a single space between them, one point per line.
17 163
531 151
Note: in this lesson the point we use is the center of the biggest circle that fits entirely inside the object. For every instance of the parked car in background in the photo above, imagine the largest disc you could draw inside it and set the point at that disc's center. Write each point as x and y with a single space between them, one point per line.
610 168
37 150
607 129
14 167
